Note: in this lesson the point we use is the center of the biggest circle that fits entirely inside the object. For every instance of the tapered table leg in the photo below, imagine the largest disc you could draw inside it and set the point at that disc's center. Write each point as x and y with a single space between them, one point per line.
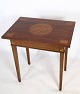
61 69
15 55
65 65
28 56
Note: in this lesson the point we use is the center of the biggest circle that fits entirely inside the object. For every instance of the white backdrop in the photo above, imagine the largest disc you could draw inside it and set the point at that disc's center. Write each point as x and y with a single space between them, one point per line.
46 81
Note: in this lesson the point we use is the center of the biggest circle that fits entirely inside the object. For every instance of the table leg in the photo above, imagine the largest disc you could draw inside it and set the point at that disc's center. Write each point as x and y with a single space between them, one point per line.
66 52
15 55
28 56
61 69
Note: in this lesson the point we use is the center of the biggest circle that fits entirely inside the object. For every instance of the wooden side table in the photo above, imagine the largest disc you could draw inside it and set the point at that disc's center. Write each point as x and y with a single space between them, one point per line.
44 34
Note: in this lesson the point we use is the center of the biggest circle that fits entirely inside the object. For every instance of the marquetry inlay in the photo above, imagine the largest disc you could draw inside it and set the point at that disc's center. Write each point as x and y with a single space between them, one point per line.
40 29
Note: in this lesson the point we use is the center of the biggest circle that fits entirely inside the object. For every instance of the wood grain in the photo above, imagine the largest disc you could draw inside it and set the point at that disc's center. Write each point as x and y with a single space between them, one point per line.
56 31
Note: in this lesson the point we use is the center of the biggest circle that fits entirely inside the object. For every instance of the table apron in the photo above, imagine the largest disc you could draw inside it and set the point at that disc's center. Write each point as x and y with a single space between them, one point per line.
38 45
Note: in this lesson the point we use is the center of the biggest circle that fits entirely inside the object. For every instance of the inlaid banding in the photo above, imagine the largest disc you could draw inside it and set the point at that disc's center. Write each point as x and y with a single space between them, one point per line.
64 41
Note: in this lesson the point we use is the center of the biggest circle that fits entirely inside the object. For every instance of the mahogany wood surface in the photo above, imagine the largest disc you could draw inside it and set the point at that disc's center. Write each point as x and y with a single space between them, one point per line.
59 32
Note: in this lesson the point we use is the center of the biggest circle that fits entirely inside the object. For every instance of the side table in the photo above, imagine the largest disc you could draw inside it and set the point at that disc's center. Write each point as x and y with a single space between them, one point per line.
44 34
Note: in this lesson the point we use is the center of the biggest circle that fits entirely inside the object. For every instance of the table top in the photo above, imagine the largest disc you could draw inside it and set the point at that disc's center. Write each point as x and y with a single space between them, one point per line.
41 30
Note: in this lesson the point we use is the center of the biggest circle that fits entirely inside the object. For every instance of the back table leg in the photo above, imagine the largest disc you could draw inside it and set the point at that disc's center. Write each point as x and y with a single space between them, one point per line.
28 56
66 52
14 49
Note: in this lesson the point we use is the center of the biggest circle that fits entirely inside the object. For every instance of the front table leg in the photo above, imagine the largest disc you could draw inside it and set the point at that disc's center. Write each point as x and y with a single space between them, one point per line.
15 55
61 69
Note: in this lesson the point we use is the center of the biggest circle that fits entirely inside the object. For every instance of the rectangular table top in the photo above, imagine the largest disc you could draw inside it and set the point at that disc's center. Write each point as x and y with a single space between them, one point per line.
41 30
